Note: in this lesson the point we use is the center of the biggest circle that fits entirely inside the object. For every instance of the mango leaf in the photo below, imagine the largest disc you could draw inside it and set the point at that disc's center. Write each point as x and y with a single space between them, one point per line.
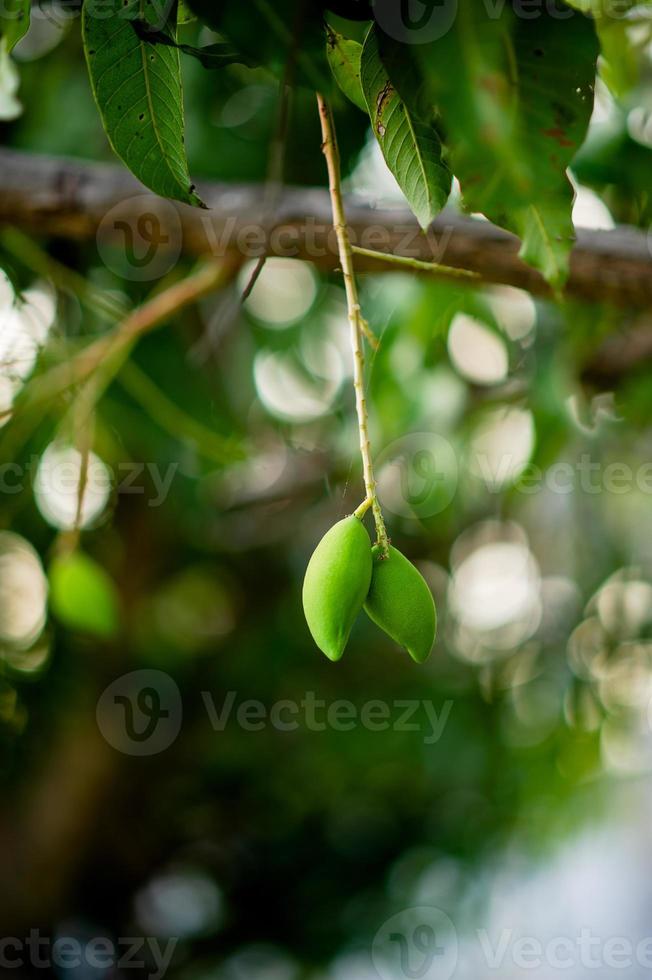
344 58
515 97
82 595
14 21
556 78
137 87
411 148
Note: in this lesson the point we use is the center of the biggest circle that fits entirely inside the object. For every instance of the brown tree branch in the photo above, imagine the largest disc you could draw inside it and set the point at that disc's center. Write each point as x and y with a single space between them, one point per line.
53 196
621 355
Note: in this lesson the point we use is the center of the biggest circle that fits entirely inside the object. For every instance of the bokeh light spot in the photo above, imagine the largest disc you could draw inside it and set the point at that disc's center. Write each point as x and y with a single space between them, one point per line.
284 291
56 487
478 354
23 592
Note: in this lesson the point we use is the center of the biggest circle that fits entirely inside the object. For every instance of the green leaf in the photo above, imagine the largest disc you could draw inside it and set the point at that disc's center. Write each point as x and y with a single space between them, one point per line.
82 595
515 97
344 58
556 77
411 147
547 234
14 21
137 87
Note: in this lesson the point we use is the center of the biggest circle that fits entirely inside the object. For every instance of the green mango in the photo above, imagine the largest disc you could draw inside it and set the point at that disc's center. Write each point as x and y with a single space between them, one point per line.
83 596
336 583
401 603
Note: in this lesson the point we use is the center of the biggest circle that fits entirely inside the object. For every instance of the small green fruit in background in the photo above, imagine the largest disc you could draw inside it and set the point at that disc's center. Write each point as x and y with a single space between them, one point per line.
82 595
336 584
400 602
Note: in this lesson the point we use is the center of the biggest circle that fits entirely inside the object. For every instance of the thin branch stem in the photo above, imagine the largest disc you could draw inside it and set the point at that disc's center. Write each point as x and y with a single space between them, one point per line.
115 345
331 153
94 366
83 443
360 511
276 161
406 262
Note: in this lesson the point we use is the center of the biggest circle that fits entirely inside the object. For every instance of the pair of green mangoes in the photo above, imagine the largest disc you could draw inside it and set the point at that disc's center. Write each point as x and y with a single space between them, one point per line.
345 573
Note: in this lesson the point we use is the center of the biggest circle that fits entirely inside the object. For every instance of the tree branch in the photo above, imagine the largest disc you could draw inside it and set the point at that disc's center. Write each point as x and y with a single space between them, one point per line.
52 196
621 355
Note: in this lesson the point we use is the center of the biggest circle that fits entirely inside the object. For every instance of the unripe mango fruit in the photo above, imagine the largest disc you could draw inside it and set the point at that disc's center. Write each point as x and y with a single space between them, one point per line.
400 602
336 583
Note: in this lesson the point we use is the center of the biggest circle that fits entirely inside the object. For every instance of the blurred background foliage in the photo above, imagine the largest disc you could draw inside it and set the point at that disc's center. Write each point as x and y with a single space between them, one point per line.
279 854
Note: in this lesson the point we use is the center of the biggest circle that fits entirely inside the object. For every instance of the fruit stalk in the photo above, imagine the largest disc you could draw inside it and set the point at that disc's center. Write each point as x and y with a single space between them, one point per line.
356 321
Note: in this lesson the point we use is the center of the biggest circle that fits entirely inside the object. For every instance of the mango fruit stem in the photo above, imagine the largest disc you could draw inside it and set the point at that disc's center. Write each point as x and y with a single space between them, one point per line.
357 323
